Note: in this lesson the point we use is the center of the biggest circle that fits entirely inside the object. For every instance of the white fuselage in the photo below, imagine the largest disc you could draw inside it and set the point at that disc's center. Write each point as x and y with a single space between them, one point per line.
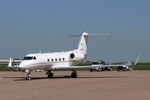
49 61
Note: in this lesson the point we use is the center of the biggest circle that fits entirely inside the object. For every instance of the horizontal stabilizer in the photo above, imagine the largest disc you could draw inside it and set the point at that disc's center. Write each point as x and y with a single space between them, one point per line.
105 34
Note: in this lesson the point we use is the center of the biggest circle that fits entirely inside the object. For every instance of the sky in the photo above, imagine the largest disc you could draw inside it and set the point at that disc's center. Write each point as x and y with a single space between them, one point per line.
31 26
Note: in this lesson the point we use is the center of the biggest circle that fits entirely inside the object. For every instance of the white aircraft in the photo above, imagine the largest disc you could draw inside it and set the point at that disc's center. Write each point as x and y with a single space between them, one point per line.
56 60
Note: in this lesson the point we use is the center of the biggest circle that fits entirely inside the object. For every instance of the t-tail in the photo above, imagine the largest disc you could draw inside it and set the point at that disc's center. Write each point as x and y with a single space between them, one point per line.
82 47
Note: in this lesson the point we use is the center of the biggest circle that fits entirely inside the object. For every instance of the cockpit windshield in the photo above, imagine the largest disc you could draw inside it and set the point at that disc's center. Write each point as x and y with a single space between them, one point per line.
29 58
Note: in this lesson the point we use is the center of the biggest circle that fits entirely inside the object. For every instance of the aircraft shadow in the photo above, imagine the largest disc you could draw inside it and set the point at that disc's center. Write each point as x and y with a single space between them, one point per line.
65 77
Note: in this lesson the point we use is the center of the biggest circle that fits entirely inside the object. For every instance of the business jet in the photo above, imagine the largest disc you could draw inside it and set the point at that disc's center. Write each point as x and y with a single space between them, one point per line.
56 60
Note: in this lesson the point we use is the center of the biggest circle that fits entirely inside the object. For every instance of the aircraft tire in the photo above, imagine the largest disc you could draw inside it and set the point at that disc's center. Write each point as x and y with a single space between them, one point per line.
50 75
74 74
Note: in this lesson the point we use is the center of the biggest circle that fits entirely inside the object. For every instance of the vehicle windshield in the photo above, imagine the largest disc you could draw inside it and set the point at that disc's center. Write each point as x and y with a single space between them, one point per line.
29 58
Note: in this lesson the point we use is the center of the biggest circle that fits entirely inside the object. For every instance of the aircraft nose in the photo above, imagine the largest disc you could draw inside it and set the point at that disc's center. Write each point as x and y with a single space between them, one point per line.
21 66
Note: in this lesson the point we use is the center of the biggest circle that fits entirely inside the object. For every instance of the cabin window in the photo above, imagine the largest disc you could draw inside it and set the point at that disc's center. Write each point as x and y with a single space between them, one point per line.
59 59
63 59
55 59
47 60
52 60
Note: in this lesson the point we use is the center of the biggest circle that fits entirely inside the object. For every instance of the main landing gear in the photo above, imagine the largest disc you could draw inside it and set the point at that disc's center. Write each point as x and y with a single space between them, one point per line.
74 74
49 74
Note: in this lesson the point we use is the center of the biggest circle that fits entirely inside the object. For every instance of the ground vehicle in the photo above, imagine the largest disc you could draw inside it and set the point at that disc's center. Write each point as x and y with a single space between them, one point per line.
126 67
98 66
105 65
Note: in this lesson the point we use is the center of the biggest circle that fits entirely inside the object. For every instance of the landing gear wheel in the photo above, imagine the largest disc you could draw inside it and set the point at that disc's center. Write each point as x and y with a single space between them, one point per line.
28 78
74 74
50 75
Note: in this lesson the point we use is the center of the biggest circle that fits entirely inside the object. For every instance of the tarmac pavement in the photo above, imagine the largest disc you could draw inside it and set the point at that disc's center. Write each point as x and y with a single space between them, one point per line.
130 85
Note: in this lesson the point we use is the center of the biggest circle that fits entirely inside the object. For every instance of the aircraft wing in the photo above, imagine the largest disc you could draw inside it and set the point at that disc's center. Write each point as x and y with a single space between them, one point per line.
109 65
81 67
70 67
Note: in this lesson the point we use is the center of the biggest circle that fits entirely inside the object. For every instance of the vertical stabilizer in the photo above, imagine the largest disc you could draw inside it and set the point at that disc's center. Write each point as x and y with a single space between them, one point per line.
82 47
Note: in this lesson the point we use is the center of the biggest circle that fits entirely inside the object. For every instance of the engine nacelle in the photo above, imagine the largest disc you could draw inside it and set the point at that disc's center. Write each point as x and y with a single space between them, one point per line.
77 56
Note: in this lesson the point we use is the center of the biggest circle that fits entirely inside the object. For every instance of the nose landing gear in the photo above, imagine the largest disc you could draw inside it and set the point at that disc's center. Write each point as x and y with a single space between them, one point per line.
28 77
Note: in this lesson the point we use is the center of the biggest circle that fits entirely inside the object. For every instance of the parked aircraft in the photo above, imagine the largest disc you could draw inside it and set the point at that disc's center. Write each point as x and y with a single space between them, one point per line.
56 60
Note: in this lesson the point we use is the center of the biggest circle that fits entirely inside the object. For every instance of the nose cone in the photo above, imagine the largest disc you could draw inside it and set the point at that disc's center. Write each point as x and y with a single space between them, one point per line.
23 65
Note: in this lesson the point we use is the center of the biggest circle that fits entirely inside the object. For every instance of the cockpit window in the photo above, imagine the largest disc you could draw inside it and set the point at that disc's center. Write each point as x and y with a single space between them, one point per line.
34 58
29 58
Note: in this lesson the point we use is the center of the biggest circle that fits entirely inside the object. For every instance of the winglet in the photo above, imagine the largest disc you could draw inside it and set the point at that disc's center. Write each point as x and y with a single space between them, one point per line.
10 62
137 60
